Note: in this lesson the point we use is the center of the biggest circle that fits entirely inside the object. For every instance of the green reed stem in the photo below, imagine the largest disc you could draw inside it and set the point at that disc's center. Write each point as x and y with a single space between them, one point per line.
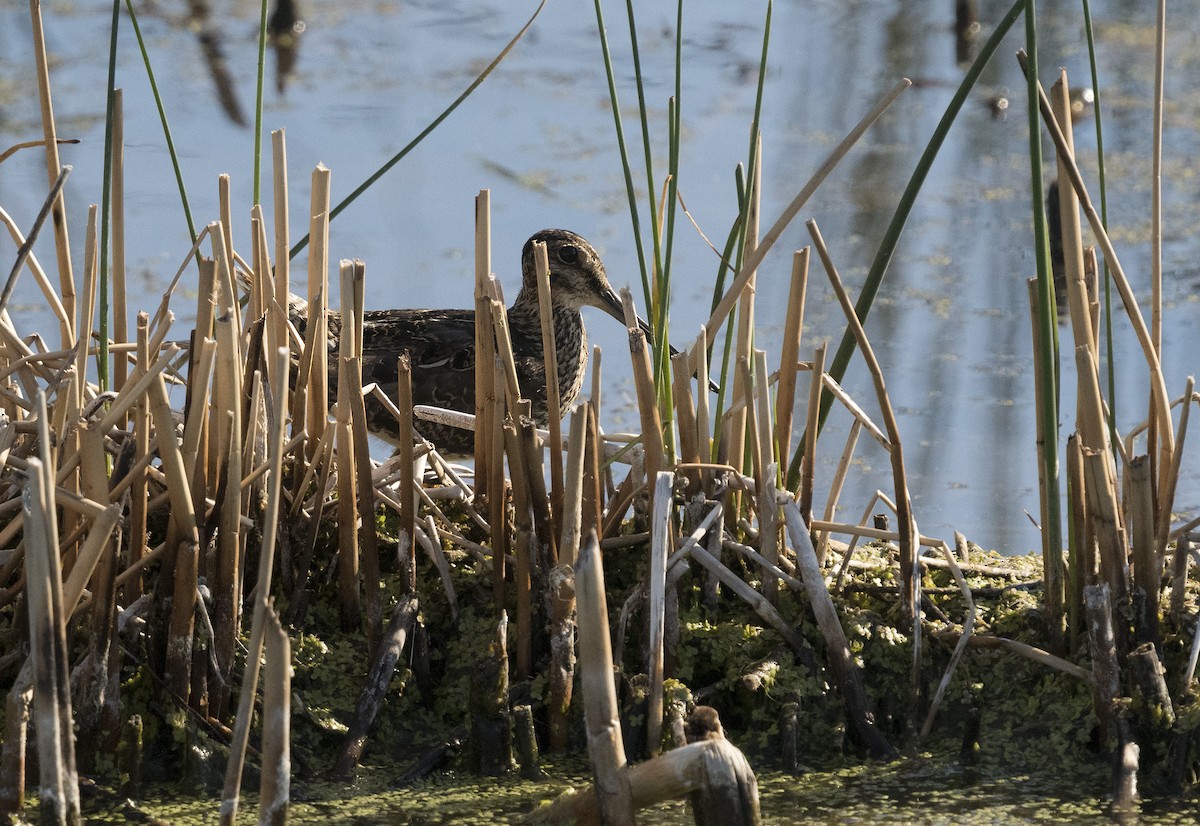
891 237
162 116
258 98
106 200
1047 353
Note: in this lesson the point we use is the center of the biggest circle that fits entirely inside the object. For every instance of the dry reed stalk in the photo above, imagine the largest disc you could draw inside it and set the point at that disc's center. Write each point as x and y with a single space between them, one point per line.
768 508
906 522
1072 231
811 431
17 711
647 397
1029 652
752 260
408 482
25 257
279 192
62 243
347 506
429 540
353 284
543 527
560 599
485 343
225 212
498 488
137 491
261 288
59 785
522 544
699 359
92 696
605 747
593 473
550 351
845 672
318 285
183 561
685 417
504 352
793 328
274 789
262 613
835 488
1082 566
1166 494
660 539
1110 536
568 546
1146 563
225 578
1158 389
120 309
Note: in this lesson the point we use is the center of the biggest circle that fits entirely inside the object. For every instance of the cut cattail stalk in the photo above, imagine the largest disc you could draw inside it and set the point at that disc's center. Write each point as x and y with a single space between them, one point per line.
485 343
811 430
660 534
605 747
408 480
1147 565
768 510
793 327
643 379
316 343
550 351
276 312
274 788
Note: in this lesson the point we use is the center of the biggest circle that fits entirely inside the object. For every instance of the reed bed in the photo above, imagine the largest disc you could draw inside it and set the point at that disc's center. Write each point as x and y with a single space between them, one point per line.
184 530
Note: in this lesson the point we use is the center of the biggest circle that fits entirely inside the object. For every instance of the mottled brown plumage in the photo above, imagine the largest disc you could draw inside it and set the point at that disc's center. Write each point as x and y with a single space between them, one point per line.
441 343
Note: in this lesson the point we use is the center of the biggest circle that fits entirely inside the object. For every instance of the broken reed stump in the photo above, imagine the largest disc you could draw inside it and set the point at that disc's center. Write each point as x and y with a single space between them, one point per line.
390 648
845 672
491 729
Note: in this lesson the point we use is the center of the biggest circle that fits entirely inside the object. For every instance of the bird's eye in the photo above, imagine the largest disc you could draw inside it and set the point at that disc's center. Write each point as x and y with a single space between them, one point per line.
568 254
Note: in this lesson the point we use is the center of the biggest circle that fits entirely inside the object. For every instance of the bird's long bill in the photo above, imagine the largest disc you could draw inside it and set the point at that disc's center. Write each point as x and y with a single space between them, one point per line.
610 302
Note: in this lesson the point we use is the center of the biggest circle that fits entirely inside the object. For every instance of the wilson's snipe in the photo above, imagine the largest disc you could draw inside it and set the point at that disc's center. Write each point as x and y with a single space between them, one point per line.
441 343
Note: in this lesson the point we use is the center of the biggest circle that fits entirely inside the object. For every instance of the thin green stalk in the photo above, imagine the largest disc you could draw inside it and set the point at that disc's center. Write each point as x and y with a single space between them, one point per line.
648 278
1108 329
630 192
395 159
258 99
162 116
891 237
106 199
1048 328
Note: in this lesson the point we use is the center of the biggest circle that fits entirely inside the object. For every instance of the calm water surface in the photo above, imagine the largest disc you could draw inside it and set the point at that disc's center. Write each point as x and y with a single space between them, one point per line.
951 325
